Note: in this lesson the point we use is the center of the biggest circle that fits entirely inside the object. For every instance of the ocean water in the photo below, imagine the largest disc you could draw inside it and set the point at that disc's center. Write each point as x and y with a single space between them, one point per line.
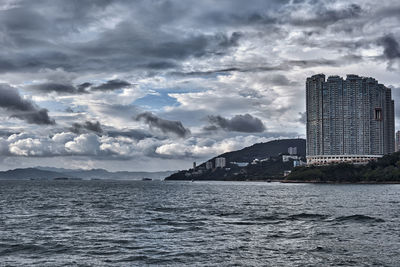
137 223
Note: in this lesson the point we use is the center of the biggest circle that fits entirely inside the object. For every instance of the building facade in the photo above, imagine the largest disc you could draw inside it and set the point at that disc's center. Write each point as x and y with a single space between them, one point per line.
352 118
397 142
292 150
220 162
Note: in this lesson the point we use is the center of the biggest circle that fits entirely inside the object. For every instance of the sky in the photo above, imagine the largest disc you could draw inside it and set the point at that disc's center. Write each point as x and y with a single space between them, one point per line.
152 85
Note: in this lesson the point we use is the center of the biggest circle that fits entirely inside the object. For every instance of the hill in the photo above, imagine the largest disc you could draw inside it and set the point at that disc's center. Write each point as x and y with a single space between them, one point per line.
264 150
264 162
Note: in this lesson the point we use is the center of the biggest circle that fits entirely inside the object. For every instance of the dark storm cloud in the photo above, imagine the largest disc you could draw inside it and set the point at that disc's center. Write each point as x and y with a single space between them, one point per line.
285 65
22 109
83 86
39 116
222 18
160 65
88 125
62 88
313 63
166 126
40 36
233 69
239 123
390 46
233 40
139 44
111 85
55 87
323 16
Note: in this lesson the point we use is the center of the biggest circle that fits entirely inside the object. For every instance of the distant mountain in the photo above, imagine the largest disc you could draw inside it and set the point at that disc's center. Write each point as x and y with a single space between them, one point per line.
30 173
50 173
270 164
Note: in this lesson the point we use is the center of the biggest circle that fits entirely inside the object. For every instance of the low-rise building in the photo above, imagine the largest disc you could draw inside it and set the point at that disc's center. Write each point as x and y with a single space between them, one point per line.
239 164
285 158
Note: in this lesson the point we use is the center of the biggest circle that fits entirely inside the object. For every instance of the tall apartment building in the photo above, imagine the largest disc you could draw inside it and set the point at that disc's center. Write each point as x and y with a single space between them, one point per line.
397 141
348 120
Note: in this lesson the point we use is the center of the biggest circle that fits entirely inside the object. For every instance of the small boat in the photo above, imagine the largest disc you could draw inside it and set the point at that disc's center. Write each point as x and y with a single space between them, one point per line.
147 179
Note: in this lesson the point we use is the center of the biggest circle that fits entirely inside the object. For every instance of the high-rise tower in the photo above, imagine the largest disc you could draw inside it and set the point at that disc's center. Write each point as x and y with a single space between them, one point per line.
348 120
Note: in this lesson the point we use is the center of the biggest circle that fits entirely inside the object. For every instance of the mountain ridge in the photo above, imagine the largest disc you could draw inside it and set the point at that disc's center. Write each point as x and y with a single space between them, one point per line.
49 173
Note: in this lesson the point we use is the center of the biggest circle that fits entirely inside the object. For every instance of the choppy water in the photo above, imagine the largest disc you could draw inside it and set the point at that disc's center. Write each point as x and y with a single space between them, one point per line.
101 223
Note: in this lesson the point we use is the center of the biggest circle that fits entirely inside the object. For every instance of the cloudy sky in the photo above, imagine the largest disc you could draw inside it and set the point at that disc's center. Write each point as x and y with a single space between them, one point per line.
156 84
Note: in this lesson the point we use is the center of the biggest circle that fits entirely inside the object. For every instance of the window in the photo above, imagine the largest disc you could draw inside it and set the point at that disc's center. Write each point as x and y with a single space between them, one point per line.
378 114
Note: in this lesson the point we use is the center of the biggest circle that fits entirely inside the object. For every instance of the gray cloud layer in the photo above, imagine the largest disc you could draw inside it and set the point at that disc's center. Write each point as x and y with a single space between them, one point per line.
239 123
67 88
391 47
166 126
111 85
22 109
88 125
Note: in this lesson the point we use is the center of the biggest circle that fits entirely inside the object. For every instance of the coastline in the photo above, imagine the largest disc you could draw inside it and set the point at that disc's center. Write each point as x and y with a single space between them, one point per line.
336 182
294 181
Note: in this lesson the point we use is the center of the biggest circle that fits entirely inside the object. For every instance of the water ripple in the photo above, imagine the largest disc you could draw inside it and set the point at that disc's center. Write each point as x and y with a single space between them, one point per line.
121 223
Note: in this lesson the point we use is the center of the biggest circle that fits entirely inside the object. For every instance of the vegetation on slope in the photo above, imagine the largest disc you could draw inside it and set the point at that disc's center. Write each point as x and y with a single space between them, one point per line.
265 170
385 169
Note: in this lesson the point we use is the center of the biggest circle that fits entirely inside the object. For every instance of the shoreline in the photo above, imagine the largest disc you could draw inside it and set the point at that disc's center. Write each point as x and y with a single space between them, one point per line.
292 181
334 182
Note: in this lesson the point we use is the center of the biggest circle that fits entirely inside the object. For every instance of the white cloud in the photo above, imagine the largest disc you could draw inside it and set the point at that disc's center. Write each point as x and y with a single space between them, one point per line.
86 144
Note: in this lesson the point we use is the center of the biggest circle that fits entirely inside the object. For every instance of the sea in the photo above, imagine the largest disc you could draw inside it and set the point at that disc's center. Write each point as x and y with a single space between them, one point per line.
160 223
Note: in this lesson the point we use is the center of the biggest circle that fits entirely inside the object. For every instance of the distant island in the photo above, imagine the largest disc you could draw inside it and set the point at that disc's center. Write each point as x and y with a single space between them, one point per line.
384 170
263 161
48 173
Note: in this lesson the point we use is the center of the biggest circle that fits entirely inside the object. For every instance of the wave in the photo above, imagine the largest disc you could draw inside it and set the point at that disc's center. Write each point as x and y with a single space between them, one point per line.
307 216
32 248
358 218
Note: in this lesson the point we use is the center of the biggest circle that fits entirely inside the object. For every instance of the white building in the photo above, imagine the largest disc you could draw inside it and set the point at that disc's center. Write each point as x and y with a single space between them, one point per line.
240 164
220 162
292 150
285 158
